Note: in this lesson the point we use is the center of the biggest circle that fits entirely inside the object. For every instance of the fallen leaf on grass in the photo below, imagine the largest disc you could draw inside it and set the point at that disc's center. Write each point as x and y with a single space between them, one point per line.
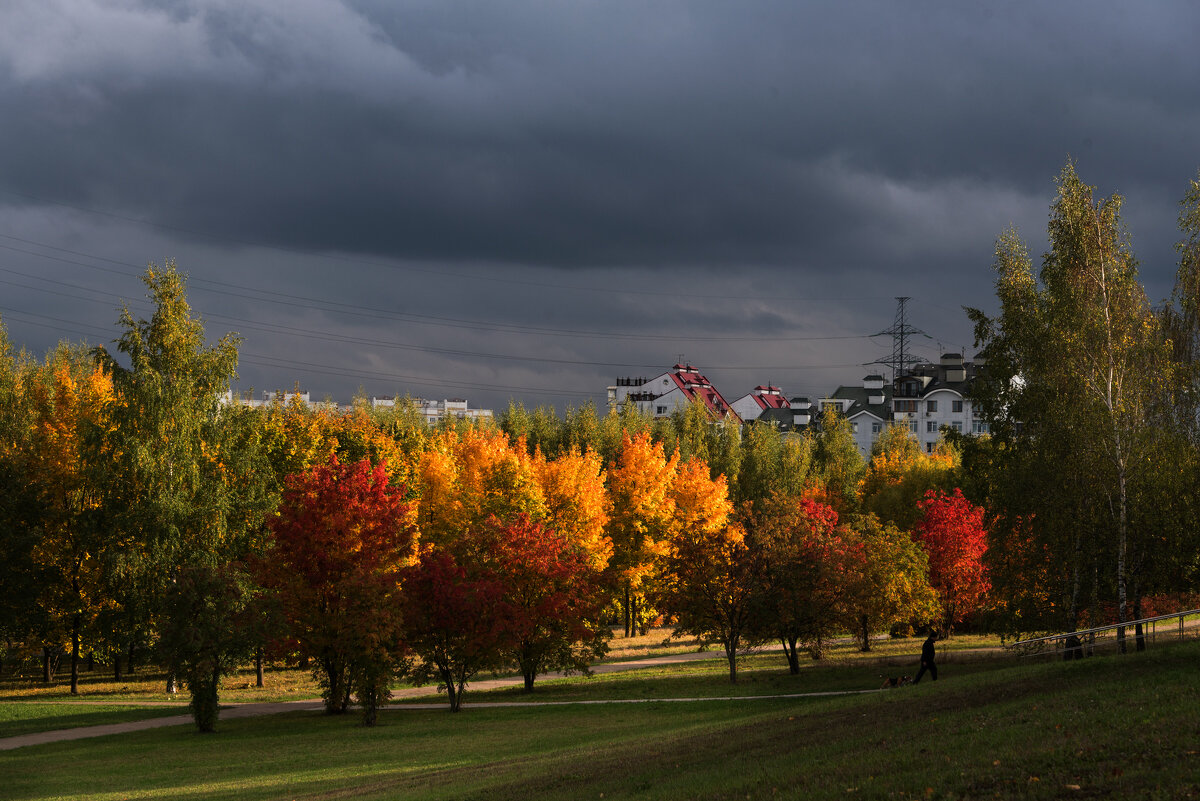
1071 787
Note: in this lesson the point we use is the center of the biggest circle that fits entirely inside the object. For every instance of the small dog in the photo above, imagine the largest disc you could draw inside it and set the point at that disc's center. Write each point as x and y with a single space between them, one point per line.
892 681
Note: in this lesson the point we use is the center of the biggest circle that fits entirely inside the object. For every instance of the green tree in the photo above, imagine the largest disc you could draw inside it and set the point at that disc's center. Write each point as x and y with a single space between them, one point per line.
772 463
837 464
1076 362
891 583
165 486
204 633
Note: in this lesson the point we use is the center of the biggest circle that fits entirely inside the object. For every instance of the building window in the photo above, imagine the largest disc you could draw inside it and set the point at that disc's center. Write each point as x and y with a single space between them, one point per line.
980 427
876 428
957 426
854 428
906 405
930 427
931 406
929 447
660 409
912 426
956 406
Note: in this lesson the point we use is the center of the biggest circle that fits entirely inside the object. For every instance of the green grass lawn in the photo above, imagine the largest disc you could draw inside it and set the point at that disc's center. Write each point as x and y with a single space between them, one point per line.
1123 727
280 683
28 717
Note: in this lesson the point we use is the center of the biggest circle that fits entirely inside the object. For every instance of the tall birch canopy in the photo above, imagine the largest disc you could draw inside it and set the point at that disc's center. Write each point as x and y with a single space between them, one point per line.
1075 362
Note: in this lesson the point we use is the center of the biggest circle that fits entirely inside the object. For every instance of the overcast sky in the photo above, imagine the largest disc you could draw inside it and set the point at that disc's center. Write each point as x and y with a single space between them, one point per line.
526 200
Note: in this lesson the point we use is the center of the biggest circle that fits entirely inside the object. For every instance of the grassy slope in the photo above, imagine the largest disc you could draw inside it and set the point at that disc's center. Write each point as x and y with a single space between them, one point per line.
1126 727
26 718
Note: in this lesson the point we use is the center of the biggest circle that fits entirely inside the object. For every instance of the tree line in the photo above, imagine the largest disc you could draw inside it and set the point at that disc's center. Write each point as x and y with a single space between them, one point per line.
146 521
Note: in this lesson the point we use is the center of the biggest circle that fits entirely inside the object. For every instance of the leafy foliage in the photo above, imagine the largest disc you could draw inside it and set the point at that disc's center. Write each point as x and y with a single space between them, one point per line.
553 595
455 619
952 532
343 536
205 633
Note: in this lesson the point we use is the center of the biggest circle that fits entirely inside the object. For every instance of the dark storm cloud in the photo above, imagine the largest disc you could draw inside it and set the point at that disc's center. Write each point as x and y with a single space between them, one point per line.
600 134
781 168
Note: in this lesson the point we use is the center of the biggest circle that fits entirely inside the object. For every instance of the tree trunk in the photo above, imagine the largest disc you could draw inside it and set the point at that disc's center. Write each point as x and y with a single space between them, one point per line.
117 666
791 654
45 664
90 665
258 667
627 611
75 654
1139 633
171 685
1122 547
866 634
453 690
529 675
731 645
1076 583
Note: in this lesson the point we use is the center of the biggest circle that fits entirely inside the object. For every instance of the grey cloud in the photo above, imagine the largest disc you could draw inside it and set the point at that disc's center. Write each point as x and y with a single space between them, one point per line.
395 154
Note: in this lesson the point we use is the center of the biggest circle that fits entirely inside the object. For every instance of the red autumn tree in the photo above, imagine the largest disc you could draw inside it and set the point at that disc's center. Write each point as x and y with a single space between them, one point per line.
804 560
952 532
340 542
455 618
553 594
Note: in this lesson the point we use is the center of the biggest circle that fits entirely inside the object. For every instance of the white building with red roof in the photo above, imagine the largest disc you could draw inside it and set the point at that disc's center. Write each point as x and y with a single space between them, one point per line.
761 399
674 390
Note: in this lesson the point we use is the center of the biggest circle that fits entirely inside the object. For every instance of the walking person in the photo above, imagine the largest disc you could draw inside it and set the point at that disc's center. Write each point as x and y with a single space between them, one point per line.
927 655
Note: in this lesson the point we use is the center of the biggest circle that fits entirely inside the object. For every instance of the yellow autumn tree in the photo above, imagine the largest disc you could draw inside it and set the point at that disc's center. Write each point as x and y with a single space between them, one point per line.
465 477
900 473
577 504
641 480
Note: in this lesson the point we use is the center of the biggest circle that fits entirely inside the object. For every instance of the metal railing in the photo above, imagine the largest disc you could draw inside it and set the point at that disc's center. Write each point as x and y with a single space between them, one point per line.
1088 642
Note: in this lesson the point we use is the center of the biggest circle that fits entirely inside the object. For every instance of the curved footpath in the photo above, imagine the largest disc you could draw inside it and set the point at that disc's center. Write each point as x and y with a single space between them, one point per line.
233 711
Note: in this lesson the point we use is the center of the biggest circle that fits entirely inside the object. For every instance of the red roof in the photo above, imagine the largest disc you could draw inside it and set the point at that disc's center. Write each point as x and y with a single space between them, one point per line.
696 387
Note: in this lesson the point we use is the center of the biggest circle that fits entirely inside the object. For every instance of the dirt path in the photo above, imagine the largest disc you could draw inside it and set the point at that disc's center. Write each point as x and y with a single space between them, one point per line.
247 710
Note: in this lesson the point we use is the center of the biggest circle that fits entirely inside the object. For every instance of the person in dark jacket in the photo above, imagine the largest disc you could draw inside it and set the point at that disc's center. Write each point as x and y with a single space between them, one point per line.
927 654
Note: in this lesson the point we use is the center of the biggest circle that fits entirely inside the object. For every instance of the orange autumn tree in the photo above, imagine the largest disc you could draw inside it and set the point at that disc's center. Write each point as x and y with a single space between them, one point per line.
707 579
640 483
71 399
466 477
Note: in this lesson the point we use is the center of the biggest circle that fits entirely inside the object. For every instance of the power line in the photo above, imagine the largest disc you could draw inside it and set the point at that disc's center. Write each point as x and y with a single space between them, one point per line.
393 265
318 304
326 336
